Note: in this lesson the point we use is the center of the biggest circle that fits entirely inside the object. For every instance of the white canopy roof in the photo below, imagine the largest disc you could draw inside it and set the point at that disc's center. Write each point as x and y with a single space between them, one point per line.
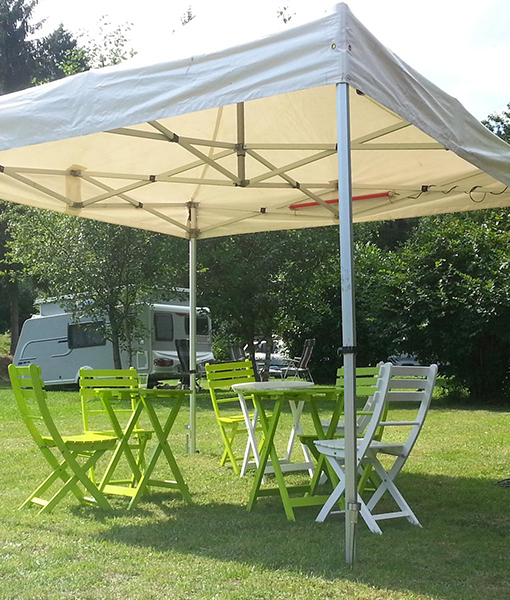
248 134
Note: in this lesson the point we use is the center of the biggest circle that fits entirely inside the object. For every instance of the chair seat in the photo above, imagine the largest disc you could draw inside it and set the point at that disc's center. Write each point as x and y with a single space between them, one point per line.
336 447
137 431
387 448
86 440
236 419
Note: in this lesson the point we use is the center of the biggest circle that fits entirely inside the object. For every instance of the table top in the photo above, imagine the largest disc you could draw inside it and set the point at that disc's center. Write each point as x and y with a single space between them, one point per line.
273 385
271 390
161 392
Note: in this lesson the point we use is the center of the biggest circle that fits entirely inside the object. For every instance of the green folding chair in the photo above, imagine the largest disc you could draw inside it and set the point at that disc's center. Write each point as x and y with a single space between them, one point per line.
221 376
28 388
366 382
95 414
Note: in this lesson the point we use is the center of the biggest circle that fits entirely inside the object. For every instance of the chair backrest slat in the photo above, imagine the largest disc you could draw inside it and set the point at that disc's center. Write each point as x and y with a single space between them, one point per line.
409 396
366 380
413 383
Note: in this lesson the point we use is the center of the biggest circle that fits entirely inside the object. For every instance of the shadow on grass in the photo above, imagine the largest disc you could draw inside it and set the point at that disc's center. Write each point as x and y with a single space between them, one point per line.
461 552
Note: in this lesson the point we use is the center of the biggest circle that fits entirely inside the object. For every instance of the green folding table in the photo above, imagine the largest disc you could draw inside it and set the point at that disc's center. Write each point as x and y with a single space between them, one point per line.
292 496
142 480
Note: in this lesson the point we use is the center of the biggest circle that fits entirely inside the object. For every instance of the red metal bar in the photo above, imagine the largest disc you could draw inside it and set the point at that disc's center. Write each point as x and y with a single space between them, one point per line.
335 200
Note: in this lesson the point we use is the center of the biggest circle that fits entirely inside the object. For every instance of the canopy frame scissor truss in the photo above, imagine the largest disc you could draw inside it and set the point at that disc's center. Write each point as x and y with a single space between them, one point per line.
273 176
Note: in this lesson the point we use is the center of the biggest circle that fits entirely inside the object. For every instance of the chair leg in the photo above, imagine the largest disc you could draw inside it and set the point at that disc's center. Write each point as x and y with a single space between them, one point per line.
80 475
228 453
331 501
338 493
388 485
59 471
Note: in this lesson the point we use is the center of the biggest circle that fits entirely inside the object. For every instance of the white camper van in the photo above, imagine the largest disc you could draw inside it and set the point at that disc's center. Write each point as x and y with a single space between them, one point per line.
61 346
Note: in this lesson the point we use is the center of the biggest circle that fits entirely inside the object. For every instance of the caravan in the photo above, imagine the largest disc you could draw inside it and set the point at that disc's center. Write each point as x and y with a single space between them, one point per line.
61 346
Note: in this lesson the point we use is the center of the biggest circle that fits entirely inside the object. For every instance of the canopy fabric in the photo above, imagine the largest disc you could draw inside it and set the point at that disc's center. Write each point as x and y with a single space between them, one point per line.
248 136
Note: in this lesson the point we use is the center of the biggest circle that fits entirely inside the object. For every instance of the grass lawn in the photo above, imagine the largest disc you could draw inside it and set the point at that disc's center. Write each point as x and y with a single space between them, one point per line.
216 549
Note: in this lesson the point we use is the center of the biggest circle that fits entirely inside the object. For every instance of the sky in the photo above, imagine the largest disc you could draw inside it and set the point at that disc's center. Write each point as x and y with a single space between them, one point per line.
463 47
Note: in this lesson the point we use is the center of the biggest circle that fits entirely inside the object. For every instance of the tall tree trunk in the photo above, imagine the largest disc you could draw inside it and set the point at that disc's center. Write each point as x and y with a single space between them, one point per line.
251 352
267 360
117 362
14 303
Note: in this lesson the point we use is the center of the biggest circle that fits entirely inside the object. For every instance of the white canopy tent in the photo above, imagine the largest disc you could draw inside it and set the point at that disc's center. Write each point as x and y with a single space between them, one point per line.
264 136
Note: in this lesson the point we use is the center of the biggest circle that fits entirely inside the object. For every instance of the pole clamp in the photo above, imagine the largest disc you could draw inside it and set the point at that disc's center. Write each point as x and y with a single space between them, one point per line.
347 350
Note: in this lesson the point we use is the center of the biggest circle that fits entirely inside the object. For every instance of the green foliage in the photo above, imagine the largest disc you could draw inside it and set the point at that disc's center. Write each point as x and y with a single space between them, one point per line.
500 124
17 52
109 46
284 13
240 280
287 284
313 296
25 61
5 342
187 16
451 294
58 55
97 269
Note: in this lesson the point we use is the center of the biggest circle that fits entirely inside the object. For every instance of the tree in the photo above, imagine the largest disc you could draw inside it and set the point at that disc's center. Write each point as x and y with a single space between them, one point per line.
312 293
451 295
499 124
58 55
284 14
239 280
17 58
187 16
109 46
98 270
287 284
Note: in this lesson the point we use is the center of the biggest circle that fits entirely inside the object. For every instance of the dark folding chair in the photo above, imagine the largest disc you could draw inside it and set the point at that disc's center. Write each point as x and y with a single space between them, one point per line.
182 347
299 365
236 353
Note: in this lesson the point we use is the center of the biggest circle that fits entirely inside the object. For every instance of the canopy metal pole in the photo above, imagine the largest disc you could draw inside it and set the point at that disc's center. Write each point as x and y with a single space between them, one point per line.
193 328
348 317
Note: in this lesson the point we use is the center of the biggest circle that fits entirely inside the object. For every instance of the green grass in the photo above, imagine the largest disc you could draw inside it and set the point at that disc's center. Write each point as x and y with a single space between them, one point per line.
216 549
5 343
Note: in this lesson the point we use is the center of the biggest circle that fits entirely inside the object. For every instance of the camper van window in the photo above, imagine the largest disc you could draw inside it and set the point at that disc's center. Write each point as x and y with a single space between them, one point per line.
164 326
85 335
202 325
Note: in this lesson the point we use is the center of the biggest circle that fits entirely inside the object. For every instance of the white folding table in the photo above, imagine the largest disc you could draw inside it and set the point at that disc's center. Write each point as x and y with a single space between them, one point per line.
251 425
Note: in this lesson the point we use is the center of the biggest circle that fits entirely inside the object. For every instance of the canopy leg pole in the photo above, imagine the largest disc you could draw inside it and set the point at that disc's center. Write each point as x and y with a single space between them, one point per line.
348 316
193 329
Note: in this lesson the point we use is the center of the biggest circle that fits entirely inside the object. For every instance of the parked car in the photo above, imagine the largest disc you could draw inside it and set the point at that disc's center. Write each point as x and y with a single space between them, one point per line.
404 360
279 356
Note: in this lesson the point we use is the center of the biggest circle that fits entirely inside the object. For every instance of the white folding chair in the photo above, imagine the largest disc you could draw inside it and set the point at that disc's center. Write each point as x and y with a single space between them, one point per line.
396 384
